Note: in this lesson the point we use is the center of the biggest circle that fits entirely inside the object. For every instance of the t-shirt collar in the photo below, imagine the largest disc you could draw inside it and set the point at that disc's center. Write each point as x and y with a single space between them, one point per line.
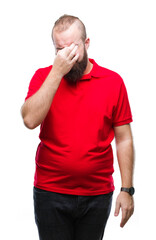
93 73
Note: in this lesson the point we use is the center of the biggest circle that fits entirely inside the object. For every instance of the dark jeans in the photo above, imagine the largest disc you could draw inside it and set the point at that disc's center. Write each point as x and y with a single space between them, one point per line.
71 217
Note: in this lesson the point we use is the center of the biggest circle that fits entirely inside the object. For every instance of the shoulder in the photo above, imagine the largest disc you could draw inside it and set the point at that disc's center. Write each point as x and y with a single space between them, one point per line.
39 76
106 74
110 74
37 80
110 78
44 71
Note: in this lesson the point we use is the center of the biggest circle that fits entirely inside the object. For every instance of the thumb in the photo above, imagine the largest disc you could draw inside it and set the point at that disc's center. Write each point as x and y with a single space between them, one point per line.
117 209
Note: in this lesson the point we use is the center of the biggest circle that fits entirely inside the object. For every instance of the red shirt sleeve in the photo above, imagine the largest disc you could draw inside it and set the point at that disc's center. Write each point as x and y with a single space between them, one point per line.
35 83
122 113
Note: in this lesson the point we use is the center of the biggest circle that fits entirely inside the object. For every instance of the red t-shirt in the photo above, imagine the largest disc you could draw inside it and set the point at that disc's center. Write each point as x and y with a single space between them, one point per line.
75 154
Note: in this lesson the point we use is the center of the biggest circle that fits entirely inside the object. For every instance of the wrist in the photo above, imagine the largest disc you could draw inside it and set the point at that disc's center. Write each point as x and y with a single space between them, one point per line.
130 190
56 74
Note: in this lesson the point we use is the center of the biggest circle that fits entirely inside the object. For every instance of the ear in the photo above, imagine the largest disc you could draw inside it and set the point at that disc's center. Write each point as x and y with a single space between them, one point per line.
87 43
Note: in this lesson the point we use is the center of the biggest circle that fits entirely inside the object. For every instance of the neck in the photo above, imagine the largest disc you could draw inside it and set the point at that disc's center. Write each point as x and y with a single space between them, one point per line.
88 68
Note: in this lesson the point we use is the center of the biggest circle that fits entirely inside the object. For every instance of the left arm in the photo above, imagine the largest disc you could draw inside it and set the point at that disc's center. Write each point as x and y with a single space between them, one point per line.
125 156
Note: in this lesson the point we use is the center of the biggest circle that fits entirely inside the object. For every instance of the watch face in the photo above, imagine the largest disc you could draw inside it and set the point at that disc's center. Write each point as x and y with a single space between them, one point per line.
131 191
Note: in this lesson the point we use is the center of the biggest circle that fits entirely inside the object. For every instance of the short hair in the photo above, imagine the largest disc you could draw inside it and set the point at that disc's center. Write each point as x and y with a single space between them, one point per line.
65 21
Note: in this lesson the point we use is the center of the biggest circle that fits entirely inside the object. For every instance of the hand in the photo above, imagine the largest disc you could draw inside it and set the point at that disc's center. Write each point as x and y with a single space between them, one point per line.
126 203
65 60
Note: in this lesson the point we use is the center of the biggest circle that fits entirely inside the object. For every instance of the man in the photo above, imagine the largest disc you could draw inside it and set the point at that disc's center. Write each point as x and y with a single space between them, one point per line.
80 107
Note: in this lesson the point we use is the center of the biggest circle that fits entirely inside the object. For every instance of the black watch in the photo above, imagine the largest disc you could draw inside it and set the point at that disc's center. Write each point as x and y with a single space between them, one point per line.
128 190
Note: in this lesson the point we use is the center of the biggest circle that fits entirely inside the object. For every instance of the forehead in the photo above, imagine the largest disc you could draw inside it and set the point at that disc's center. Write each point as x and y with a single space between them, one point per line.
65 38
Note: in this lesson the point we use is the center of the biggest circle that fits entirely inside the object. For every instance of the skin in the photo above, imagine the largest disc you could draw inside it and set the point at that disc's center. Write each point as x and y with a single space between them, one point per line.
69 49
66 38
35 109
125 155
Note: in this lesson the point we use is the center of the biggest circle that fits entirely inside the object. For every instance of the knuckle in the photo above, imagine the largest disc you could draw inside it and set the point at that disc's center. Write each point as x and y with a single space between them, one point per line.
126 208
59 54
67 50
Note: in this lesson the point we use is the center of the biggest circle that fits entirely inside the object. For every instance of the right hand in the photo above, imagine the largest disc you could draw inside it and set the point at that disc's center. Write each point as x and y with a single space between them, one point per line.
65 60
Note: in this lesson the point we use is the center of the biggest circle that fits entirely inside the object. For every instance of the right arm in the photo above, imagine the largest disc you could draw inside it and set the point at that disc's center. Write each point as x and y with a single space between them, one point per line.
35 109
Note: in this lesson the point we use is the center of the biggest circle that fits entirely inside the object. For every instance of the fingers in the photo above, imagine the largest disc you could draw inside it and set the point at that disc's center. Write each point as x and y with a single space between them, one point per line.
73 52
126 203
124 218
71 47
117 209
126 214
75 58
72 56
65 59
69 52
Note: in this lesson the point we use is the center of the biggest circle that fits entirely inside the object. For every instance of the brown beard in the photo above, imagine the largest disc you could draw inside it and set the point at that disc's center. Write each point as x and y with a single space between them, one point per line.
75 74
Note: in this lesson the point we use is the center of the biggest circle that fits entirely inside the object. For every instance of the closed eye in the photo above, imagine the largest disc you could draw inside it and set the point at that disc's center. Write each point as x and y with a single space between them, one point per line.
59 49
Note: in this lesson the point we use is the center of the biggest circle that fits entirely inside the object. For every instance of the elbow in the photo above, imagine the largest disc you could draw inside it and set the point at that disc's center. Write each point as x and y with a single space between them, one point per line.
29 118
28 123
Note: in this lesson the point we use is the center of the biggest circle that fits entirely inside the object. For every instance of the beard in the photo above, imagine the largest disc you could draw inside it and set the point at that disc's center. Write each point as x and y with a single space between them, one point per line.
74 75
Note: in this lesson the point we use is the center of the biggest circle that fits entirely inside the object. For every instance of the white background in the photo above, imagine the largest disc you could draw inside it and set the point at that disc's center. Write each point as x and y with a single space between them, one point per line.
123 39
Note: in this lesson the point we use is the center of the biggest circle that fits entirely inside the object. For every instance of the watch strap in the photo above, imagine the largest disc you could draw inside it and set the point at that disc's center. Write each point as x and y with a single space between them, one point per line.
128 190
